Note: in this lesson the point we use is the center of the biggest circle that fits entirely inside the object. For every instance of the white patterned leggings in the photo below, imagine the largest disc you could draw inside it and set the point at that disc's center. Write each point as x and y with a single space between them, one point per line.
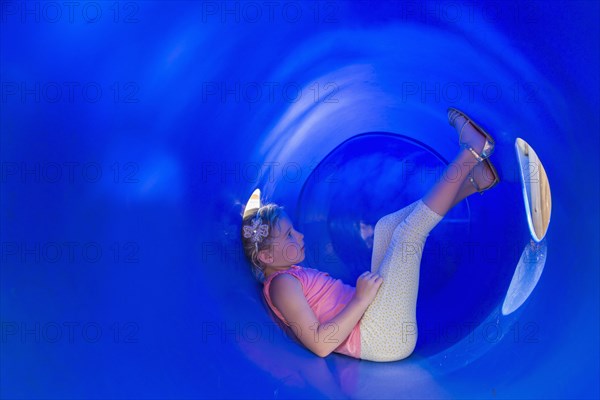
388 329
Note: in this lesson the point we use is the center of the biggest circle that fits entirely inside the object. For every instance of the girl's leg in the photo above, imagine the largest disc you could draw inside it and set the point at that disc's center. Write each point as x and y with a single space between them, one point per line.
483 177
442 197
455 192
384 229
389 327
386 225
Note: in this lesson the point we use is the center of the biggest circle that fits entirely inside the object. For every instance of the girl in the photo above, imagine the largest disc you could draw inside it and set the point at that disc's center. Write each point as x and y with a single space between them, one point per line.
376 320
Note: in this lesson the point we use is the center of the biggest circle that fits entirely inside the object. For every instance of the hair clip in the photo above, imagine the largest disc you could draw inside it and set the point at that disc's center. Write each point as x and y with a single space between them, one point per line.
257 231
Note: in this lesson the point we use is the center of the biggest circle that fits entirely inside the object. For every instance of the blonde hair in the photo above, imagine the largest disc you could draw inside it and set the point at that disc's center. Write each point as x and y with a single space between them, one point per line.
269 214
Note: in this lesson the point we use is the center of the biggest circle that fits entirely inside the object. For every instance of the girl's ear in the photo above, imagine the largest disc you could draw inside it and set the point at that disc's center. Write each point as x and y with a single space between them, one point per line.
265 256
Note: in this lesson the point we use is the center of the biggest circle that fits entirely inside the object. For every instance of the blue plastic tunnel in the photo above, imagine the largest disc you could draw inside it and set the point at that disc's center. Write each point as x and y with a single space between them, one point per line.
133 133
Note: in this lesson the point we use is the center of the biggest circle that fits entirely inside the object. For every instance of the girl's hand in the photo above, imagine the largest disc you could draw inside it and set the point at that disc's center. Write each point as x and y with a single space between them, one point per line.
367 286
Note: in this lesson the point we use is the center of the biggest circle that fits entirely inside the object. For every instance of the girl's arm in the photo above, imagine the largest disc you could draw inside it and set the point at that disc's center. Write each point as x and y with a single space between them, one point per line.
286 294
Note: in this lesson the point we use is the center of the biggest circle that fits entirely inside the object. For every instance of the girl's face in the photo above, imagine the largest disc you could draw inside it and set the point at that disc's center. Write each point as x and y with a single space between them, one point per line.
287 247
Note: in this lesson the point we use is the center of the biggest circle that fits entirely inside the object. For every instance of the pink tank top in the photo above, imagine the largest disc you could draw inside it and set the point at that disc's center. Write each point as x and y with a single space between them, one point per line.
326 296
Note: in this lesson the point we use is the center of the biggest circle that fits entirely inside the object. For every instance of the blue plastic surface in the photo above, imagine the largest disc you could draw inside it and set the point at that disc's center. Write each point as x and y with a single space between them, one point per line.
132 134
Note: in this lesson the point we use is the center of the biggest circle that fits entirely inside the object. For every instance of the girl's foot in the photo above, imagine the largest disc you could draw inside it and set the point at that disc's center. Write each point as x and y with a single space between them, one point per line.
473 134
470 134
484 179
483 176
